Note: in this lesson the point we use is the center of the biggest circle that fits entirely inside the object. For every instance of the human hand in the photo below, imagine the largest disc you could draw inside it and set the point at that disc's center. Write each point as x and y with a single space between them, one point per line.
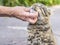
24 14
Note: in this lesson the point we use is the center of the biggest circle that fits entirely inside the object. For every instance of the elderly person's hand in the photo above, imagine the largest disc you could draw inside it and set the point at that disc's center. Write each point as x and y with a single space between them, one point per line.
19 12
24 14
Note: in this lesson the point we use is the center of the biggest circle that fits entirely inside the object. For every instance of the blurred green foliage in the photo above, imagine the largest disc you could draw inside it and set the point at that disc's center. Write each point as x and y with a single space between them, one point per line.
28 2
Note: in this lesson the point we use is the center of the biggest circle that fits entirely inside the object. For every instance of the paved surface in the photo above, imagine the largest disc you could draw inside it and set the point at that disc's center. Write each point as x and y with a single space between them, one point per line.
55 22
14 31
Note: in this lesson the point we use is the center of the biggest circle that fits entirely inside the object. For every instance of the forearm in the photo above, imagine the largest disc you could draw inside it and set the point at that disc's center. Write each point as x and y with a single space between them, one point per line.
5 10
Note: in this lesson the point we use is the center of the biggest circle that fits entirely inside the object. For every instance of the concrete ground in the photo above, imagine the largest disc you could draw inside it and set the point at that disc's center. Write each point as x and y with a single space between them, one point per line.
14 31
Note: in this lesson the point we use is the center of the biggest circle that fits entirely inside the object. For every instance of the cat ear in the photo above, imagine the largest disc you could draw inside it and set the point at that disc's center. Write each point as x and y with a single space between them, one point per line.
47 11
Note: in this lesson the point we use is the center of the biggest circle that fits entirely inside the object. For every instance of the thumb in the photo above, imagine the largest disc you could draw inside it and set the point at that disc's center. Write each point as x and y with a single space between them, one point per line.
33 21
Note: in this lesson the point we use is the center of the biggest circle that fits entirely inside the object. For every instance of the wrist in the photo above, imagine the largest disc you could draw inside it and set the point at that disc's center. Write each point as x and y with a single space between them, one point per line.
6 10
10 11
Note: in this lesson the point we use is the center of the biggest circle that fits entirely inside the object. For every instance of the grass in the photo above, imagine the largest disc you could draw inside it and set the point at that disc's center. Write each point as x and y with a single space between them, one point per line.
28 2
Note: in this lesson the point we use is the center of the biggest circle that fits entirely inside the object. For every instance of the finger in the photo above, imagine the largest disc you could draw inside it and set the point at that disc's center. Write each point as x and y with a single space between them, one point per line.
27 9
32 15
23 18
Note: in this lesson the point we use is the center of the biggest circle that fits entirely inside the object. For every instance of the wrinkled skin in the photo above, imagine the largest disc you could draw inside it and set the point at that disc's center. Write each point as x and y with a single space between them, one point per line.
40 33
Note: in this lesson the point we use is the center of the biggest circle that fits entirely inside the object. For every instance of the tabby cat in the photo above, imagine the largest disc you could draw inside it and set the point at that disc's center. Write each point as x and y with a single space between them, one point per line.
40 33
